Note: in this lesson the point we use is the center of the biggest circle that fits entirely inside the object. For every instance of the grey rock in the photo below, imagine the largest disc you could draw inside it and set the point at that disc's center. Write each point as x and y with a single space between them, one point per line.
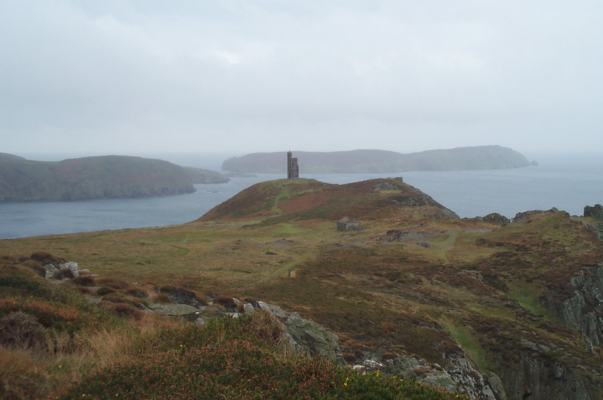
70 267
175 310
182 296
458 375
583 311
66 270
496 219
536 377
304 335
50 271
595 211
348 225
497 386
248 308
312 338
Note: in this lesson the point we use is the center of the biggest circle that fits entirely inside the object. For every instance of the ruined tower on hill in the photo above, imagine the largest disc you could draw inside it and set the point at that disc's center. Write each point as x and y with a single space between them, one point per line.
292 166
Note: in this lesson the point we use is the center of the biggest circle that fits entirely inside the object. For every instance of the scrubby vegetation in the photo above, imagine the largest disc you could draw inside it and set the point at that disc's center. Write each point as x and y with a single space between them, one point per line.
55 344
236 359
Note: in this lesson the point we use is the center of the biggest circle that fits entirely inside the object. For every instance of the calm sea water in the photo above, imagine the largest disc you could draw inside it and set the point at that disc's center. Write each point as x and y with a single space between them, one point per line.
565 185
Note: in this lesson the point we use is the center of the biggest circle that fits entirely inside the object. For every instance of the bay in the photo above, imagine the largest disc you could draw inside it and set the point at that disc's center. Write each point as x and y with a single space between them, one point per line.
568 186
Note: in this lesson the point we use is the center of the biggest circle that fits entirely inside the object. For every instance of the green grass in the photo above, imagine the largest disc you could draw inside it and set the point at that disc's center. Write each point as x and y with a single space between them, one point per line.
528 297
469 343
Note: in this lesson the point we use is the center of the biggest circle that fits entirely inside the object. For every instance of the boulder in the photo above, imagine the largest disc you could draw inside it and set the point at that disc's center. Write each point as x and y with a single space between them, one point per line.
70 268
304 335
66 270
348 225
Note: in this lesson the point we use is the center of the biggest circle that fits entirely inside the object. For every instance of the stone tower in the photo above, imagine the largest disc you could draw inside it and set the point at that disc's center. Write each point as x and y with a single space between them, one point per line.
292 166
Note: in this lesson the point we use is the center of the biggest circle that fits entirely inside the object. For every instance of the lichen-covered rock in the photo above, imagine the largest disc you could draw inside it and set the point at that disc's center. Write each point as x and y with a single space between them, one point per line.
306 336
537 376
458 375
346 224
583 311
66 270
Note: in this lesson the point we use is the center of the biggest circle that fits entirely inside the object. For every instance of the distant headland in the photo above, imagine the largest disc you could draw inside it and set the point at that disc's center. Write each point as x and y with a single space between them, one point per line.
368 161
103 177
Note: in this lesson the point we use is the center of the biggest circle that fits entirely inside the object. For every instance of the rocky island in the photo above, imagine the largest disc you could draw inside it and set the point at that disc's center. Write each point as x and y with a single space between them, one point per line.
267 288
103 177
369 161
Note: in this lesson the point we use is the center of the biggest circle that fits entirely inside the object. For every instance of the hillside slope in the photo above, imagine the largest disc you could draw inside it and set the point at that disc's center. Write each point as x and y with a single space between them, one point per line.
356 161
486 307
79 337
94 178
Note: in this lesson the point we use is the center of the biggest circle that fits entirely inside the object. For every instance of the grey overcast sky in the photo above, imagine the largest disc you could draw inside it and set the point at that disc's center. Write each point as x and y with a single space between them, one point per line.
126 76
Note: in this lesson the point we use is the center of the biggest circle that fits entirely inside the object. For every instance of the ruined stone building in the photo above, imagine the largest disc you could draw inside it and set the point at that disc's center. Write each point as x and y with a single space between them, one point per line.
292 166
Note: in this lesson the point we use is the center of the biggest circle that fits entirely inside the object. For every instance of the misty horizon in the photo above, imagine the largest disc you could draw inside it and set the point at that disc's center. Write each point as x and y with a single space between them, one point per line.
134 77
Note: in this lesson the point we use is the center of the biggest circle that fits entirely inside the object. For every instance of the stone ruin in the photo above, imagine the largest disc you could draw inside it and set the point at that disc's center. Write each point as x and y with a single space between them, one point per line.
292 166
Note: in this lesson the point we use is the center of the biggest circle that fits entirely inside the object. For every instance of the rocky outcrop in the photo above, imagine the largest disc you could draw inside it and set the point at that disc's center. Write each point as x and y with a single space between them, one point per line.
538 376
457 375
583 311
303 335
306 336
65 270
595 212
386 186
396 235
346 224
496 219
526 217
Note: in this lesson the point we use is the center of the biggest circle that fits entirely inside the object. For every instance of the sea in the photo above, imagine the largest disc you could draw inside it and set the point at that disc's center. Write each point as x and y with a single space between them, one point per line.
567 183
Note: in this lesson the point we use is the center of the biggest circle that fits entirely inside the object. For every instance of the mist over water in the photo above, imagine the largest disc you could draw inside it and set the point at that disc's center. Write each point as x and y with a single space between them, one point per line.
568 183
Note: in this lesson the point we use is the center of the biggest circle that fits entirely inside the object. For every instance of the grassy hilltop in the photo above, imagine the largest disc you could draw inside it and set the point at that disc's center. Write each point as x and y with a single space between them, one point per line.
481 306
